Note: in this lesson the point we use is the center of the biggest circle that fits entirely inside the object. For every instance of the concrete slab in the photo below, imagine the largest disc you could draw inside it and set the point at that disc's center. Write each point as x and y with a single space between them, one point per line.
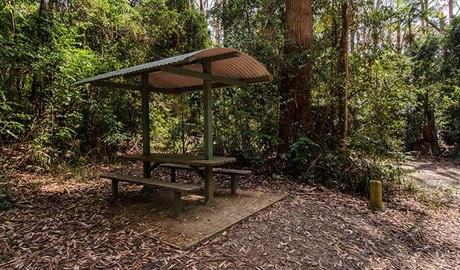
151 214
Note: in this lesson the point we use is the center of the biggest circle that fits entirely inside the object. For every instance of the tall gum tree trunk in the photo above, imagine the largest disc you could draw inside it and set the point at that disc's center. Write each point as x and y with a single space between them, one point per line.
295 91
17 69
342 72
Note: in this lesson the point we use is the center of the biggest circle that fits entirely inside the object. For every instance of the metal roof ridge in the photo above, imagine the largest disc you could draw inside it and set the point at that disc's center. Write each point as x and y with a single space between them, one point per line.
188 57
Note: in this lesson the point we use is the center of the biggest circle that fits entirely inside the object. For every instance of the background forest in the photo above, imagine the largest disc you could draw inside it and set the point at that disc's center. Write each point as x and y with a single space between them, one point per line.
356 83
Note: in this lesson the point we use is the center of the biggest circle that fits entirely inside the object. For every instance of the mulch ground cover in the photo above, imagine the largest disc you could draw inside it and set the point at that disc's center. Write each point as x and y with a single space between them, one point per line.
62 221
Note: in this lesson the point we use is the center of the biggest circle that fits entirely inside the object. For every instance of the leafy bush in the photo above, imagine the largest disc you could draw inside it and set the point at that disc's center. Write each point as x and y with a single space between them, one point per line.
11 119
312 163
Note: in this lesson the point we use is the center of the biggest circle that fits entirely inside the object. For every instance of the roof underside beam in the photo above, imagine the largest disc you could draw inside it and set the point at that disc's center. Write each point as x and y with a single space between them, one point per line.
176 90
204 76
214 85
136 87
188 89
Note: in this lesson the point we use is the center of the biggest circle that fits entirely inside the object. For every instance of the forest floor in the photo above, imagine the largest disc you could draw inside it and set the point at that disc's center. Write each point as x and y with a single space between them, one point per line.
59 221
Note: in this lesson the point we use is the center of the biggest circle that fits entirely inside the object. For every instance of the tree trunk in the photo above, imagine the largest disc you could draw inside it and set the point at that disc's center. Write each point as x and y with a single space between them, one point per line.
33 98
429 131
451 9
17 70
352 40
42 7
398 39
217 26
342 72
410 34
13 25
423 11
333 108
296 75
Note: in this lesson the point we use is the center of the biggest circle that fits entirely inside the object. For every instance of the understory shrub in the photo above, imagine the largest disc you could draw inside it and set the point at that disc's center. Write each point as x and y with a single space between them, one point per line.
310 162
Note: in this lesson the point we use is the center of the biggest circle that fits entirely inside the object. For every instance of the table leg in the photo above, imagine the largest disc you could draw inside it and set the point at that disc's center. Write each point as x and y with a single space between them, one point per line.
233 184
114 190
146 174
173 175
146 166
208 185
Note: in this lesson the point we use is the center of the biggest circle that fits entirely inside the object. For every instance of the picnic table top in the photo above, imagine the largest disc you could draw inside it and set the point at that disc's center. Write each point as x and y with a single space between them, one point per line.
182 159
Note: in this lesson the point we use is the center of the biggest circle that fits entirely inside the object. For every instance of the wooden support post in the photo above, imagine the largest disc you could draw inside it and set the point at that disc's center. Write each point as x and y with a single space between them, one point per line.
145 92
114 190
177 203
173 175
232 184
375 190
208 185
145 122
208 174
207 95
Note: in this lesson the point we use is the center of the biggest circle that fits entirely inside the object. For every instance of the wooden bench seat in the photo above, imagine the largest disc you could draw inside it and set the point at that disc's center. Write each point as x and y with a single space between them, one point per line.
178 188
233 173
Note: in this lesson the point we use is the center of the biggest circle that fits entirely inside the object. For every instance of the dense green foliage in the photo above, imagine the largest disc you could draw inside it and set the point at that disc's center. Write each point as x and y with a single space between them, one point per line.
48 45
404 83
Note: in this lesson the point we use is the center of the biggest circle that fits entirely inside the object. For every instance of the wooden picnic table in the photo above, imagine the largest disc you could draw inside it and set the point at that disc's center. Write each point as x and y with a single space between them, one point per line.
183 159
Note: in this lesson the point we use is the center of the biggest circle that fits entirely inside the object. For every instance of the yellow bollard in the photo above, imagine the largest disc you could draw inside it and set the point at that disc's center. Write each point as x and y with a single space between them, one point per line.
375 190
